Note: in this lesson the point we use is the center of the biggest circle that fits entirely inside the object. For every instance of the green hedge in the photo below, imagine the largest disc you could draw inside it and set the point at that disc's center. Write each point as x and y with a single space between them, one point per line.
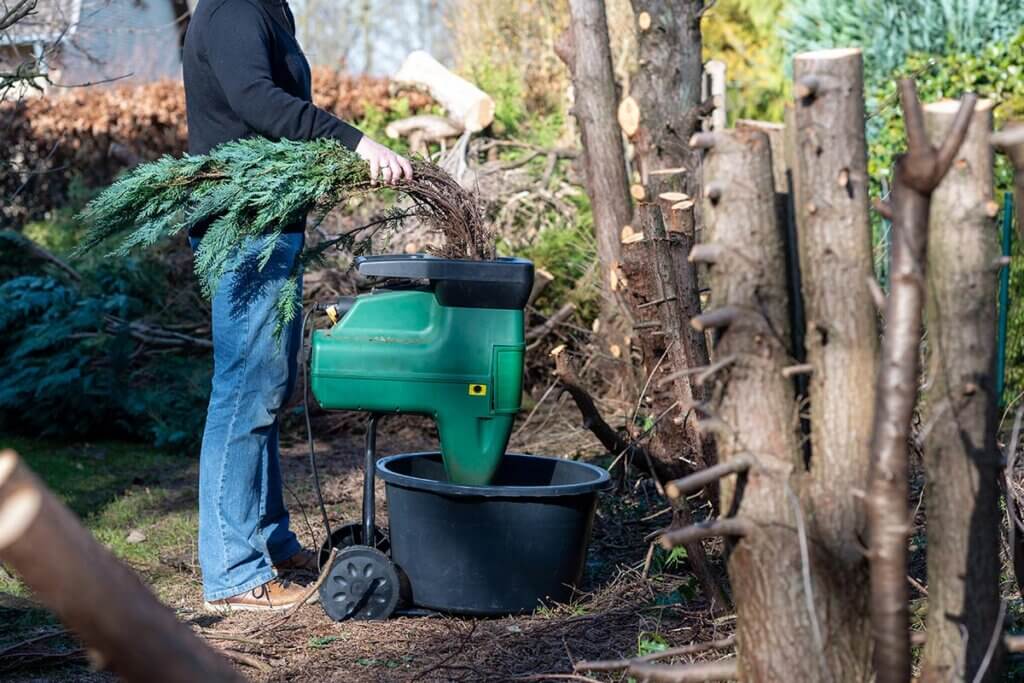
995 73
889 32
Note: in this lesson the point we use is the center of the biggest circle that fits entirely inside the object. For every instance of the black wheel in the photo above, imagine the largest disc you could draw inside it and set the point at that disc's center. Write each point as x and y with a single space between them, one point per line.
362 584
350 534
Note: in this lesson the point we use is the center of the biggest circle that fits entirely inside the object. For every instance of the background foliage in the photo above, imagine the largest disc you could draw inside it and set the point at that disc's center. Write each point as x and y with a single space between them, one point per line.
890 32
744 34
70 364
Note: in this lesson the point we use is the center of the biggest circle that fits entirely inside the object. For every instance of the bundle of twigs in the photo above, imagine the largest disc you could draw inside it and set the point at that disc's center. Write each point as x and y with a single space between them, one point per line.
249 190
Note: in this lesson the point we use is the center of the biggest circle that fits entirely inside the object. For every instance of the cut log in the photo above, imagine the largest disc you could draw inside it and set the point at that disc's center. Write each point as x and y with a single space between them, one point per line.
961 458
432 128
100 599
464 102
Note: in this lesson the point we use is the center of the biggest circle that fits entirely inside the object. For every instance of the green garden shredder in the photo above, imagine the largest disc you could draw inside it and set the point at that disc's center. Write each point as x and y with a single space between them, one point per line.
436 337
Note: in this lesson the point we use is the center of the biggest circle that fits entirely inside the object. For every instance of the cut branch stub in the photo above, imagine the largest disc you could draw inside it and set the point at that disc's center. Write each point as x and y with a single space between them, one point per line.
698 480
735 527
702 140
716 319
706 253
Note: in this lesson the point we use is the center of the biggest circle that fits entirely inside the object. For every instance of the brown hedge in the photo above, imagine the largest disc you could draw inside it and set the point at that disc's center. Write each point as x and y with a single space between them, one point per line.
93 134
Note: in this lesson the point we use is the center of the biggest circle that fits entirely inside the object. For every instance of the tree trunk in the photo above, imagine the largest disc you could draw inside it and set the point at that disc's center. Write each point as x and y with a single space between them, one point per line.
96 596
960 453
657 278
663 289
918 172
834 239
666 95
666 87
782 174
781 625
586 52
655 269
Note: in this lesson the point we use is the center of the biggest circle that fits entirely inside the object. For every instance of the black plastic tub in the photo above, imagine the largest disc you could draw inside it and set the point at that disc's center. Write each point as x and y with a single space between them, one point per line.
490 550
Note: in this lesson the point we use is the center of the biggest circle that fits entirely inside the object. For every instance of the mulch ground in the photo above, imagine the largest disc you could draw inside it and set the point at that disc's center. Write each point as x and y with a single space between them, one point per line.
624 602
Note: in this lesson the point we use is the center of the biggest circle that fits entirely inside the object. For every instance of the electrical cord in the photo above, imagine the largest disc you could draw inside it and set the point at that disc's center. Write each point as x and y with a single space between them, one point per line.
309 426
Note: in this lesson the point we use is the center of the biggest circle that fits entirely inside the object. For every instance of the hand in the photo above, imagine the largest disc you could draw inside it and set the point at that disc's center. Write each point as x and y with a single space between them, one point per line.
390 167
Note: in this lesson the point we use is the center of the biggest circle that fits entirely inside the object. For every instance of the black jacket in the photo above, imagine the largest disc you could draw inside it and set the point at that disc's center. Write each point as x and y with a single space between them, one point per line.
245 75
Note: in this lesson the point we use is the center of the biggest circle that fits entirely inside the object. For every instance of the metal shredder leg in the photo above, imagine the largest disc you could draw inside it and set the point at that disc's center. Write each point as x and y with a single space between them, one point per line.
369 532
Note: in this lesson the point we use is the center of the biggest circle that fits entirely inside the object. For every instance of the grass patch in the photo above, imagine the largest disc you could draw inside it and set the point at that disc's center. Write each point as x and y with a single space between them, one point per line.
117 489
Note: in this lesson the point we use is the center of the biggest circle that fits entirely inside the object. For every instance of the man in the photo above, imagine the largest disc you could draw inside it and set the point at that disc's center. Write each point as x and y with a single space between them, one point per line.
245 75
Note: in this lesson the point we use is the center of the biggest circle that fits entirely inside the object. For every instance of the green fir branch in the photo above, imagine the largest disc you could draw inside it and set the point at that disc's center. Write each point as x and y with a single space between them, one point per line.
254 188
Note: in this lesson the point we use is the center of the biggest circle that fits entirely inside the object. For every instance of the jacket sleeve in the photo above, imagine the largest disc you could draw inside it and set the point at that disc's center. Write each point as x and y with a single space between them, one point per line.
238 51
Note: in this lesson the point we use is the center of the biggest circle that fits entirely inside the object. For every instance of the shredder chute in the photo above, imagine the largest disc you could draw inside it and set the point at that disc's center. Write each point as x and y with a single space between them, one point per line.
438 337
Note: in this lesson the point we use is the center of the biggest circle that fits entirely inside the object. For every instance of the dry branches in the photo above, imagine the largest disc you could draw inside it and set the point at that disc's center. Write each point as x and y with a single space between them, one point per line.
724 670
681 651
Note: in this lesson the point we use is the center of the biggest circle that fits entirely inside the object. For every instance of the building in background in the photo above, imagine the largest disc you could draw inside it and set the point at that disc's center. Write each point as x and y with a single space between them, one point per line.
77 42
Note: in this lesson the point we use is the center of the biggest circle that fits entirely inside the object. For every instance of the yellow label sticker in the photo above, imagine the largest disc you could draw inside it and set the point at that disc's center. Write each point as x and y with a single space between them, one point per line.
477 389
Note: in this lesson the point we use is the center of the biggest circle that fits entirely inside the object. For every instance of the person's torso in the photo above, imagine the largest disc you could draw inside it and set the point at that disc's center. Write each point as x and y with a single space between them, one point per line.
211 120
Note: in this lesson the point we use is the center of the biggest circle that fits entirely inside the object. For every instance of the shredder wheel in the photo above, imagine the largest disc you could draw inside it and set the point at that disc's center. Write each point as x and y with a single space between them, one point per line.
362 585
351 534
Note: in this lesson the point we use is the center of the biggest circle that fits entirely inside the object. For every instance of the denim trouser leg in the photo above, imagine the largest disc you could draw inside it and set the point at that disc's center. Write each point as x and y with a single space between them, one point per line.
243 524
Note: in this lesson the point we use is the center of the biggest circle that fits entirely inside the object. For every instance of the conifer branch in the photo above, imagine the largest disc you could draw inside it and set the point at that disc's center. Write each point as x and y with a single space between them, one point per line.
247 191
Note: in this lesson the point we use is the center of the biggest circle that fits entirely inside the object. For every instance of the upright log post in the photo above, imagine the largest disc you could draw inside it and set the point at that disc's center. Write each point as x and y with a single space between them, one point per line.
585 50
755 421
97 597
918 173
834 240
960 454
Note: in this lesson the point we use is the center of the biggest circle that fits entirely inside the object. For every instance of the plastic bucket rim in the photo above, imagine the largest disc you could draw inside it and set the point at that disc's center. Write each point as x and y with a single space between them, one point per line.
601 481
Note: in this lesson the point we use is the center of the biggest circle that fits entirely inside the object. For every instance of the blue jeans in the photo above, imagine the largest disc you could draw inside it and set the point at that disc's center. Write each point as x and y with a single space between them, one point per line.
243 523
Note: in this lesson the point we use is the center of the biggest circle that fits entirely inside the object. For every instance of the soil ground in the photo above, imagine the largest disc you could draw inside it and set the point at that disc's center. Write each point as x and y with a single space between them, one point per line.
633 600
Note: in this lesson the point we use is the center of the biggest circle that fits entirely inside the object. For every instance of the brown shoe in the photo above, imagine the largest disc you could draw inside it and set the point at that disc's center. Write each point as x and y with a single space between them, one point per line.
276 594
302 561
